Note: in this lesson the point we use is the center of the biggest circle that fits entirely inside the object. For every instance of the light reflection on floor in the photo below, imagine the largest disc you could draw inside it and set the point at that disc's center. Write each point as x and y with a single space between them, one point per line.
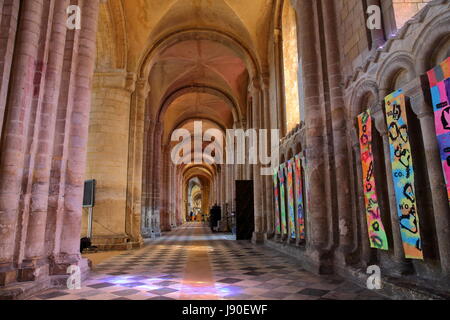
191 263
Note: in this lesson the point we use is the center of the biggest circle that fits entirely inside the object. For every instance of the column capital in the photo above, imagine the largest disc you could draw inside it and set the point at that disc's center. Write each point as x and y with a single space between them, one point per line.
255 83
265 80
379 121
277 35
142 87
120 79
420 106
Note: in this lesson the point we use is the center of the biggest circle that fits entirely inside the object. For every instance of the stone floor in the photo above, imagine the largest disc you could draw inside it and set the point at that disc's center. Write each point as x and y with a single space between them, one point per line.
191 263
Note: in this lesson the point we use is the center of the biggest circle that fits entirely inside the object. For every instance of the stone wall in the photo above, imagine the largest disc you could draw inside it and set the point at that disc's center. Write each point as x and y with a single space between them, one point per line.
337 242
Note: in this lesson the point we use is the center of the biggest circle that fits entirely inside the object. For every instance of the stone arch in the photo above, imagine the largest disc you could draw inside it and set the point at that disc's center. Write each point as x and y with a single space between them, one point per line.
244 52
366 88
431 39
211 169
112 42
389 70
392 65
187 120
237 115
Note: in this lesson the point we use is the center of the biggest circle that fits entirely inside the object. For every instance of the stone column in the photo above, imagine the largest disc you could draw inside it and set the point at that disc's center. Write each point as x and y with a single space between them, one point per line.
171 195
401 265
366 251
436 177
9 16
39 178
135 162
69 160
107 158
165 191
232 188
147 185
339 127
156 180
259 235
79 128
15 132
179 204
221 186
55 213
318 221
268 180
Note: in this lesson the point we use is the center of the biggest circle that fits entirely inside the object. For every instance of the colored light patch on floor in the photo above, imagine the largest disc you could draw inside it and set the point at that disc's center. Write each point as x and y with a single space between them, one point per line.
403 174
193 263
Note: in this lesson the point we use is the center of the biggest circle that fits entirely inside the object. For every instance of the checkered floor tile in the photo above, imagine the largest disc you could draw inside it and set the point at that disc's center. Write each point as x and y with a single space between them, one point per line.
192 263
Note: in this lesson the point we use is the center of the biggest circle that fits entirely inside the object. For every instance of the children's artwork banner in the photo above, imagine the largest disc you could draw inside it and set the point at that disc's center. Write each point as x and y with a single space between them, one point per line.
290 190
439 79
277 202
403 174
282 199
299 198
377 233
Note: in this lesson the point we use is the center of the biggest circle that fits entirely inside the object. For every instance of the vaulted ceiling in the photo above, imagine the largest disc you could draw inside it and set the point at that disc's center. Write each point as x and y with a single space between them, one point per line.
198 56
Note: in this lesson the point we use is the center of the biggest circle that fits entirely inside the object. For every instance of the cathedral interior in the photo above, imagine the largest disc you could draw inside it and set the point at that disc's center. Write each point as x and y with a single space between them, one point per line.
118 120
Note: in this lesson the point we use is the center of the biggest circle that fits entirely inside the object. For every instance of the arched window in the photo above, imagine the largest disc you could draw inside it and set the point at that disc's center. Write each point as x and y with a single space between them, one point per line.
291 67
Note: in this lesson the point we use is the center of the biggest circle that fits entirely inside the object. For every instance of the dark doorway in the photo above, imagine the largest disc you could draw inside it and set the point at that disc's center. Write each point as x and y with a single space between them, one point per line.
245 214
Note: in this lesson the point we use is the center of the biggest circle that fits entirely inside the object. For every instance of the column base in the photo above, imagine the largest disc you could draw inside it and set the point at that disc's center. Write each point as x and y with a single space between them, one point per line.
345 256
116 243
8 275
321 260
315 260
33 273
259 238
271 236
291 241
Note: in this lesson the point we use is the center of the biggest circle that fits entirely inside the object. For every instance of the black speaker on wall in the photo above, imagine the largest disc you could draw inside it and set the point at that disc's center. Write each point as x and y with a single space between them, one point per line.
89 194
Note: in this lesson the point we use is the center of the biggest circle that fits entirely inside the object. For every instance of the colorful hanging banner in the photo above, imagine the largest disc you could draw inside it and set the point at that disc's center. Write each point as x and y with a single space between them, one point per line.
282 200
299 198
277 203
439 79
403 174
290 189
377 234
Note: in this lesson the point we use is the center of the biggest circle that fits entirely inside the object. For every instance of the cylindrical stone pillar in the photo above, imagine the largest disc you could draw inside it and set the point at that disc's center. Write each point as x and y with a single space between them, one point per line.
34 248
9 16
339 127
14 140
315 133
257 113
79 120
